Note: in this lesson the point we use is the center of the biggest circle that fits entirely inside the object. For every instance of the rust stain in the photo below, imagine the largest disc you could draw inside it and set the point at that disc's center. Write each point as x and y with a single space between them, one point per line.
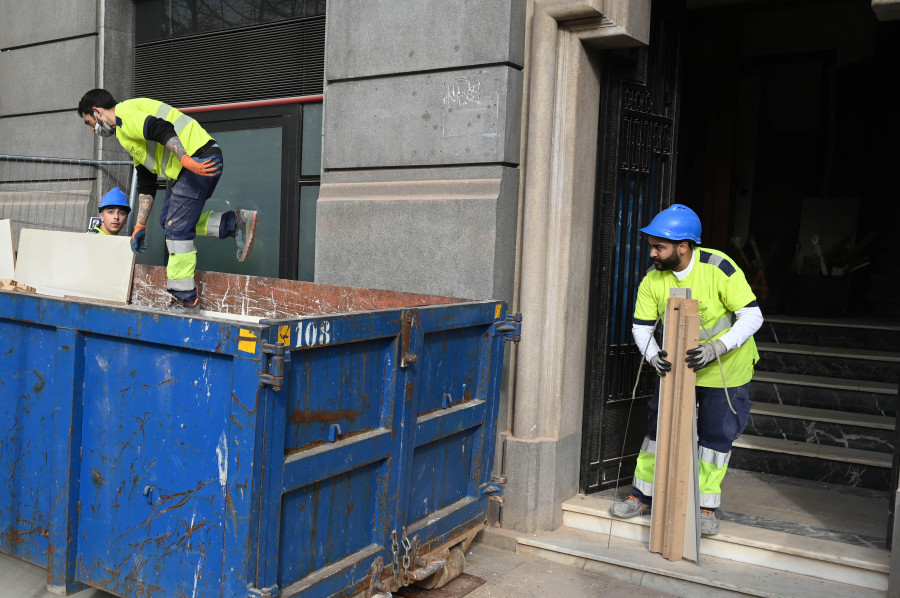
275 298
299 416
169 502
97 478
39 385
305 447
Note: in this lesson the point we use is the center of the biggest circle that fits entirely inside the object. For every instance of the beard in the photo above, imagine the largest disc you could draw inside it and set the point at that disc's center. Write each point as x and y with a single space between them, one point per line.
667 264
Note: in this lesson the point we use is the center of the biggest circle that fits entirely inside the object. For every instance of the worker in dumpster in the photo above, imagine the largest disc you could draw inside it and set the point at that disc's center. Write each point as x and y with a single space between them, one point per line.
729 317
164 142
114 210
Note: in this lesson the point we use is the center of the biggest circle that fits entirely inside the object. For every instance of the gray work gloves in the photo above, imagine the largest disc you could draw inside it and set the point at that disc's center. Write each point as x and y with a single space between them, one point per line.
660 364
705 354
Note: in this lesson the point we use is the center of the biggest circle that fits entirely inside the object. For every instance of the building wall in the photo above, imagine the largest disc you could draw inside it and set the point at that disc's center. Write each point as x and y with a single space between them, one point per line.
50 54
420 156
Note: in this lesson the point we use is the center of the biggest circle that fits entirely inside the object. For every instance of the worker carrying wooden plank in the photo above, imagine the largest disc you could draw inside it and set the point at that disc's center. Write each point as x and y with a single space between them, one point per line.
729 317
165 142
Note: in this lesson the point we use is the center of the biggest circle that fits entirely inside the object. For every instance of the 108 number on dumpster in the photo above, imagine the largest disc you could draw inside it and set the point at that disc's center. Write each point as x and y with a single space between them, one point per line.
311 334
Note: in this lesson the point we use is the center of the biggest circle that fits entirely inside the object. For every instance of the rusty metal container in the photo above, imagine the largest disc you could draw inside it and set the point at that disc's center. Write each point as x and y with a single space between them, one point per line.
304 440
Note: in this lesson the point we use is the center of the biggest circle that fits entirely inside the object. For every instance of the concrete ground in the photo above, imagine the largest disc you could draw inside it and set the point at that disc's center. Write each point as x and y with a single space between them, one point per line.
511 575
506 575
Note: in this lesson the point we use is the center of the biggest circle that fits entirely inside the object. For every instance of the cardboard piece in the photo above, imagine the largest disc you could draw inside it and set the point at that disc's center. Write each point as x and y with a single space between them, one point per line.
7 251
675 518
75 265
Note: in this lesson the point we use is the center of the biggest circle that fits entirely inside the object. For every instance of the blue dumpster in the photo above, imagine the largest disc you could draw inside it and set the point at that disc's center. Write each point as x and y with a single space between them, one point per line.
319 441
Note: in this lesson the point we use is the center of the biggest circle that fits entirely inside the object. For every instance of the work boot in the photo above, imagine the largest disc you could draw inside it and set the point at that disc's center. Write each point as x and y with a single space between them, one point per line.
709 525
630 507
185 307
244 227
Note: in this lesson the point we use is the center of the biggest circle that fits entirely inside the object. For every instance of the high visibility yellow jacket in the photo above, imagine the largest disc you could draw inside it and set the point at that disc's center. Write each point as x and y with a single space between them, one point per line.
721 288
134 119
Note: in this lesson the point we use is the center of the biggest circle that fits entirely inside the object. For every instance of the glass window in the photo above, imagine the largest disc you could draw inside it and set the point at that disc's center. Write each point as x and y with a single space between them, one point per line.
165 19
263 172
251 180
309 195
311 151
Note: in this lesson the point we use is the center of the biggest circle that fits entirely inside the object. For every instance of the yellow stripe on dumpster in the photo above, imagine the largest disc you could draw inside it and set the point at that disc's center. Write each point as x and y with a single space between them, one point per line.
284 335
247 341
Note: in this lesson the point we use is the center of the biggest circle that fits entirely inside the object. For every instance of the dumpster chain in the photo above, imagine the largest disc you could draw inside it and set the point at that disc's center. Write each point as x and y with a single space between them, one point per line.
395 563
406 560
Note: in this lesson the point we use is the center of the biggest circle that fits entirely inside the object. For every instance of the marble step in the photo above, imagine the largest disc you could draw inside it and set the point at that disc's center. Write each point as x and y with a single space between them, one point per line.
757 562
859 396
861 420
862 364
822 426
872 334
839 465
803 449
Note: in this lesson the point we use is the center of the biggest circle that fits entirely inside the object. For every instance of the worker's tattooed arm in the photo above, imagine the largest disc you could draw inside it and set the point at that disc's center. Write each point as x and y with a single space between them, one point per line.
145 204
175 146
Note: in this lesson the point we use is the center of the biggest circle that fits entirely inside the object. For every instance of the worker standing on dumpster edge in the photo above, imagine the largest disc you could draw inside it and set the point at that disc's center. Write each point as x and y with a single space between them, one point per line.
729 316
163 141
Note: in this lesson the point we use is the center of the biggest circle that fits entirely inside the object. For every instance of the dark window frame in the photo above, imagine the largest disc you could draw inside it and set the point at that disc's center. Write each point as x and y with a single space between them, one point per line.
290 118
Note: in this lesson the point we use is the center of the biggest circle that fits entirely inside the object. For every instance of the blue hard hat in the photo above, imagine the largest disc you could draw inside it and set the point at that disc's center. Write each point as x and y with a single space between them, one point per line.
675 223
115 198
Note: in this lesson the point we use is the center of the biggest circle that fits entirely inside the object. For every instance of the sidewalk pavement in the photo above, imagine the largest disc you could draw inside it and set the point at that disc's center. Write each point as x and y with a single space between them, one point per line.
506 575
511 575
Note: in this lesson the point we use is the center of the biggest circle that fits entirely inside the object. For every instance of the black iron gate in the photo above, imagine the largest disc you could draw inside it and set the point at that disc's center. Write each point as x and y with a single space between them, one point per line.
635 179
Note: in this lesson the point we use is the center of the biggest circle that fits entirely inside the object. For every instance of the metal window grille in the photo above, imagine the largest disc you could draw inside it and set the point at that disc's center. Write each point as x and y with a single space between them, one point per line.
57 193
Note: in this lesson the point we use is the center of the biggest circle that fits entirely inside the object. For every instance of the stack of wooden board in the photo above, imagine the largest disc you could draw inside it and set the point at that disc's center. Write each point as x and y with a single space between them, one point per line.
674 521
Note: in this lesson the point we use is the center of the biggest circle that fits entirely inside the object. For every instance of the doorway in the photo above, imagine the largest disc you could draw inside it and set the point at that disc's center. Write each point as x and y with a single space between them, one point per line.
788 138
784 146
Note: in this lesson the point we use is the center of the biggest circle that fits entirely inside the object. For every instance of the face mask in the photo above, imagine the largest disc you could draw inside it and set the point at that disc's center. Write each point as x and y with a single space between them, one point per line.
103 129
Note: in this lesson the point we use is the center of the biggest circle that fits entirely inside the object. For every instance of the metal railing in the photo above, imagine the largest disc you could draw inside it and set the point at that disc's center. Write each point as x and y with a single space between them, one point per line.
58 193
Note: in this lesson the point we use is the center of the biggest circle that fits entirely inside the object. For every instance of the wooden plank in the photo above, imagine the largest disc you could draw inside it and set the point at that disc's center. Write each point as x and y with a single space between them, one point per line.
7 250
64 264
674 523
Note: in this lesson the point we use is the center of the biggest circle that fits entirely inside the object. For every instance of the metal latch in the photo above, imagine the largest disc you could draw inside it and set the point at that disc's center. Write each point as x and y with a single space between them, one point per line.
511 328
494 488
410 319
274 374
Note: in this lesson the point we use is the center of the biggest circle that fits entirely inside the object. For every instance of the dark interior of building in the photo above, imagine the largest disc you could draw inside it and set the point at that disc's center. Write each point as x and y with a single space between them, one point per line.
788 149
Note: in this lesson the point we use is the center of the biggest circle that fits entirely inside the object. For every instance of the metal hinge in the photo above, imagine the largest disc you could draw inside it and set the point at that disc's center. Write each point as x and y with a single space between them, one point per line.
511 328
270 592
274 374
410 319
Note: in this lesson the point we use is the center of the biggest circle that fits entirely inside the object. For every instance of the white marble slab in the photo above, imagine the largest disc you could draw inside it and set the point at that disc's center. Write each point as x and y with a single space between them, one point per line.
7 251
65 264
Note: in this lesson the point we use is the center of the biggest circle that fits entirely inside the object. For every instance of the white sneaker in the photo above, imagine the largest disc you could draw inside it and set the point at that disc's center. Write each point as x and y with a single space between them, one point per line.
630 507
